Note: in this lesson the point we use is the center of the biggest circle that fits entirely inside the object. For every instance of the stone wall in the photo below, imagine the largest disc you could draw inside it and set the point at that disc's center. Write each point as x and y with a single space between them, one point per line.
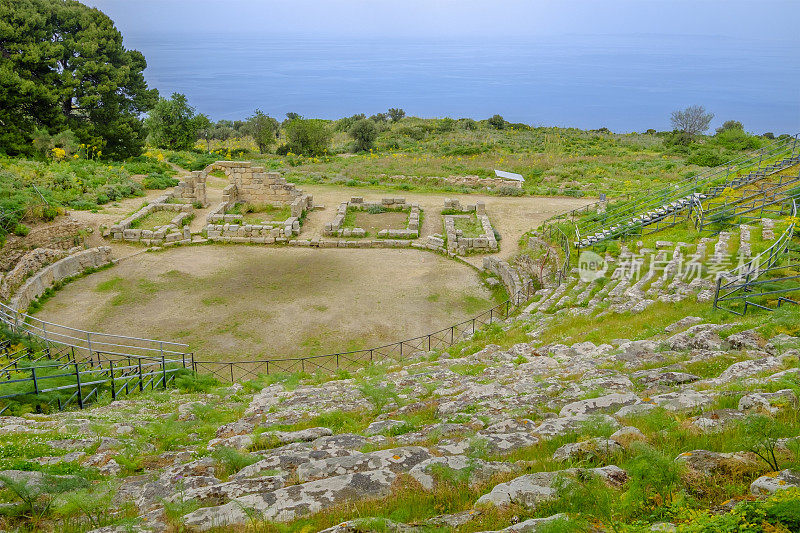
31 262
253 184
411 231
172 233
61 269
511 277
192 189
455 241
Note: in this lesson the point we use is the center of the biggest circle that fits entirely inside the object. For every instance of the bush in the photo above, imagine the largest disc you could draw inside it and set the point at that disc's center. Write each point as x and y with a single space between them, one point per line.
364 132
308 136
678 138
159 180
467 124
706 157
507 190
497 122
188 381
21 230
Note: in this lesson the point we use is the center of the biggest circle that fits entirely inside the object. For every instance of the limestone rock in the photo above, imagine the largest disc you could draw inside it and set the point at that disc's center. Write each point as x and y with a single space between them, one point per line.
532 525
744 369
626 435
588 449
555 427
476 470
395 460
770 402
685 400
711 463
610 402
772 483
531 489
749 339
294 501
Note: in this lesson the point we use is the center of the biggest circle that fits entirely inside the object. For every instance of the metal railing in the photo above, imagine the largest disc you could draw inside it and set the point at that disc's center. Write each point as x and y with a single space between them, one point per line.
754 279
766 198
88 343
666 204
86 379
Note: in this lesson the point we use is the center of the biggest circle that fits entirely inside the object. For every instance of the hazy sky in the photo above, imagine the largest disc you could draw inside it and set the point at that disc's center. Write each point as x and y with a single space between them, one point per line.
478 19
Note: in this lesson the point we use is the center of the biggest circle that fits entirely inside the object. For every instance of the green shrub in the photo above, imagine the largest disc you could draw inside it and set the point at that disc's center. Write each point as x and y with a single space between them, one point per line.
706 157
158 180
188 381
364 132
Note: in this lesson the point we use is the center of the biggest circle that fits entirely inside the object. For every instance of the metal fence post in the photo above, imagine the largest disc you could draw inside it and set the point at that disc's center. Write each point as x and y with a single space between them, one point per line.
113 385
141 383
716 293
164 371
35 382
78 381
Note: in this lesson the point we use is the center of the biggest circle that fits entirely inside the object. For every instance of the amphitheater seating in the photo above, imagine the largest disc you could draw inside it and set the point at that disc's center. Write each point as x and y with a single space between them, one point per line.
672 205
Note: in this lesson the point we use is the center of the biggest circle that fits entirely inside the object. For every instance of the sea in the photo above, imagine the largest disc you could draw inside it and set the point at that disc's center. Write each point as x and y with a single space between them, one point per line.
621 82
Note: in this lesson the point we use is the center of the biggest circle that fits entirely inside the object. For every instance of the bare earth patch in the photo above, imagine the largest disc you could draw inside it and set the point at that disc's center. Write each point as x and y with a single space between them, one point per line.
243 302
373 223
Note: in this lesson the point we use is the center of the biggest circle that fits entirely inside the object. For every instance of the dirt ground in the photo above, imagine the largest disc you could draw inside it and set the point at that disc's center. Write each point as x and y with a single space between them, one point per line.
240 302
373 223
510 216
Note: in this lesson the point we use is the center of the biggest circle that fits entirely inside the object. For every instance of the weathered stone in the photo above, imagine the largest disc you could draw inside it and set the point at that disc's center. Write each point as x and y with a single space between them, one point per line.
770 402
531 489
555 427
396 460
531 525
749 368
771 483
381 426
222 492
303 435
701 336
588 449
626 435
294 501
682 401
610 402
717 420
711 463
749 339
477 471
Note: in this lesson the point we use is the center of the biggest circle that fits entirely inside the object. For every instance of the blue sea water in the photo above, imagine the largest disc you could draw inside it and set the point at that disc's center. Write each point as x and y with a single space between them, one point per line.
625 83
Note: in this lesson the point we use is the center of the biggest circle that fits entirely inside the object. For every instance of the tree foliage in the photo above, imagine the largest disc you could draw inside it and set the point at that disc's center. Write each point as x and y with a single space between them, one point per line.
263 129
364 132
729 125
308 136
63 66
396 114
497 122
693 120
172 123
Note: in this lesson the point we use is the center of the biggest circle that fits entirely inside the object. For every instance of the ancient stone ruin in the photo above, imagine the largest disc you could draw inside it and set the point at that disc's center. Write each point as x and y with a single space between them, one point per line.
252 185
172 233
357 203
454 240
